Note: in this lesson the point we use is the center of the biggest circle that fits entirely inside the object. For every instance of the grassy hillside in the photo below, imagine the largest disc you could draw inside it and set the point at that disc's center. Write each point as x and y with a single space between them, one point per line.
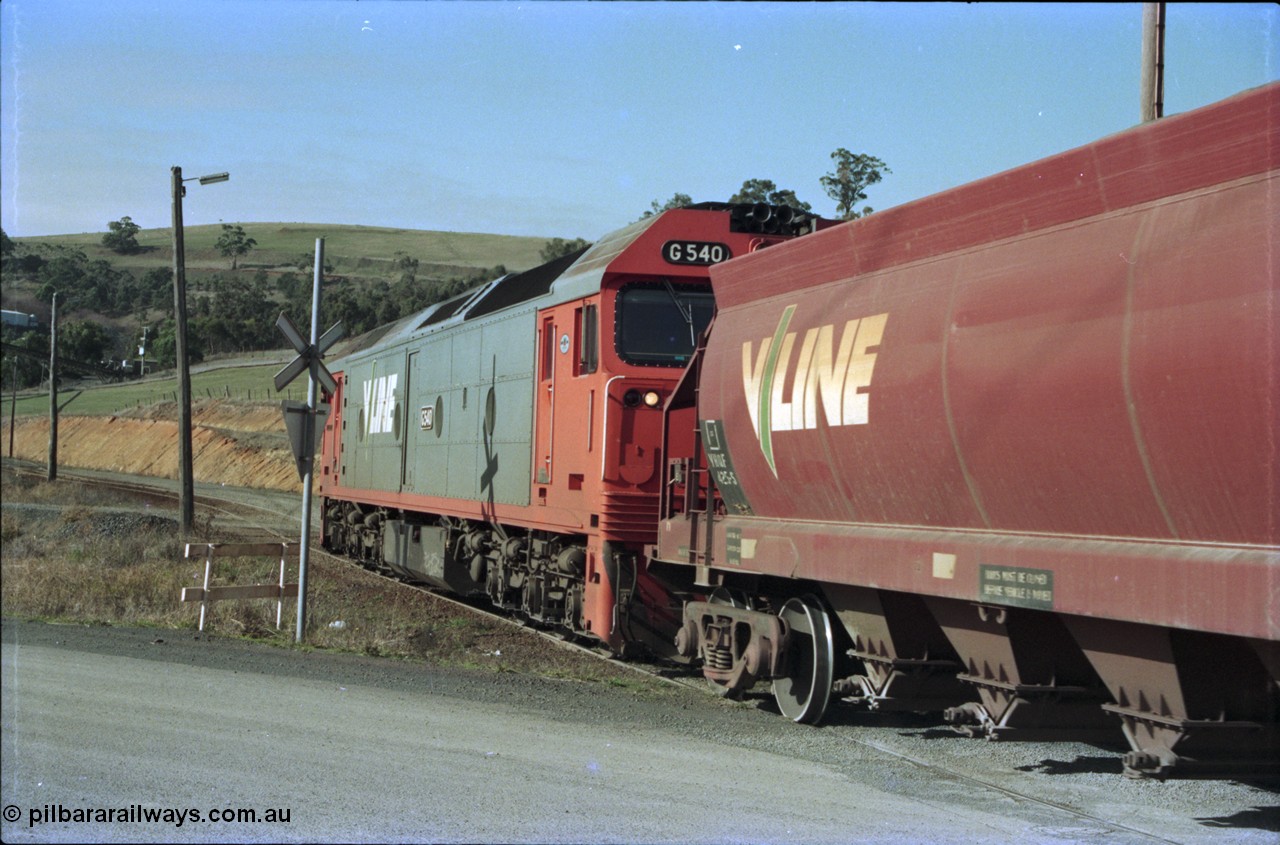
373 276
364 251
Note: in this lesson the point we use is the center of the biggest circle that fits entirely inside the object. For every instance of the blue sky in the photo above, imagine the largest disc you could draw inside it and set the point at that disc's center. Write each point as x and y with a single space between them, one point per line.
559 118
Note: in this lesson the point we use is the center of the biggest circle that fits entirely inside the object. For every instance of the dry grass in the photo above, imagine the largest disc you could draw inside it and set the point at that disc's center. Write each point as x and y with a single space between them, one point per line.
67 557
73 554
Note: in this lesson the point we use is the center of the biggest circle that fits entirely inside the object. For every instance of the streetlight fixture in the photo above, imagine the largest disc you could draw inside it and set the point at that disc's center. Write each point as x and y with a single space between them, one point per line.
186 485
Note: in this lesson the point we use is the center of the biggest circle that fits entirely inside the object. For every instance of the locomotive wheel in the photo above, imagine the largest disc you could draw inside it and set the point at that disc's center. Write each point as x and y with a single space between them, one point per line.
802 694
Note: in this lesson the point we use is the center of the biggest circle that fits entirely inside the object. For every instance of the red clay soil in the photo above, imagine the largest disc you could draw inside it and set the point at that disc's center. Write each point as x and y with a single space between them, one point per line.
232 443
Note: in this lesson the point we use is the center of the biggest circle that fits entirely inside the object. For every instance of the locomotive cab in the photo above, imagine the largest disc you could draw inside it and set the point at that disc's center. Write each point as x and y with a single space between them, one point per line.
607 363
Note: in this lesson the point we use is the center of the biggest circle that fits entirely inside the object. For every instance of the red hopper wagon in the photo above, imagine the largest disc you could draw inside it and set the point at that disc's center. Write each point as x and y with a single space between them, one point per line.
1009 451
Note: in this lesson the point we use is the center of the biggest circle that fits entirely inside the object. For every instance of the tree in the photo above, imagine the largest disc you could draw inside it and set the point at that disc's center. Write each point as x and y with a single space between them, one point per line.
676 201
27 370
233 243
85 341
65 273
407 265
122 237
848 183
18 258
763 190
557 247
157 288
162 346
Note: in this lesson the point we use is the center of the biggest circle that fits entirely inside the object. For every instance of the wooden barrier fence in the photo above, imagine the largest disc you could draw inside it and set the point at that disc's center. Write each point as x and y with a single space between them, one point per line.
206 594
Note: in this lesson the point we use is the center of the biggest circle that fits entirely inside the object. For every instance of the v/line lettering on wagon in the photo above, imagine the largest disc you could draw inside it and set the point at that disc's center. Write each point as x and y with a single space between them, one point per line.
827 375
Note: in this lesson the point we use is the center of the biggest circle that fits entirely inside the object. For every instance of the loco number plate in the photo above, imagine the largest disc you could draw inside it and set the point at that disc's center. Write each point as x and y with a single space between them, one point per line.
695 252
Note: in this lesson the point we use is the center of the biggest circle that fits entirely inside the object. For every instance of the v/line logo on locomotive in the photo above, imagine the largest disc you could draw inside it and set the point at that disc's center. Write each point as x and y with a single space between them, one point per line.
380 404
825 374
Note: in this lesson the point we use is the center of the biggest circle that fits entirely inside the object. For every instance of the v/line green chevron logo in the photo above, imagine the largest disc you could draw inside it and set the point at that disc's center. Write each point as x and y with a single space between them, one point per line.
829 376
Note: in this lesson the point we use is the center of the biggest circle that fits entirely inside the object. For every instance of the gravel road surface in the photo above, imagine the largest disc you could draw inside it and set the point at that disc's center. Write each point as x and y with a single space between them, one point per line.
358 749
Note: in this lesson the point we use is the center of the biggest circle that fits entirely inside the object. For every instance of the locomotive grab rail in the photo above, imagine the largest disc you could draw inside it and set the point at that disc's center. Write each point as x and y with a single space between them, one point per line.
605 429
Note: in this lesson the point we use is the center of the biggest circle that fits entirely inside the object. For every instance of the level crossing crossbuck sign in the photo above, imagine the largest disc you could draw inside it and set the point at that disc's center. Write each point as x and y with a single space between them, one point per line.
309 357
302 437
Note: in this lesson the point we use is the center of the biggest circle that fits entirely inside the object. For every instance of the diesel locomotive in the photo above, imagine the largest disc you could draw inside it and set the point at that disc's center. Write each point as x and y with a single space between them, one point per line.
1008 452
507 442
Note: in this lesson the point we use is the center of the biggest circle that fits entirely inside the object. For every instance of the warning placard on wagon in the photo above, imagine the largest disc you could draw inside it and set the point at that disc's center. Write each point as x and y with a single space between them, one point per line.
1017 585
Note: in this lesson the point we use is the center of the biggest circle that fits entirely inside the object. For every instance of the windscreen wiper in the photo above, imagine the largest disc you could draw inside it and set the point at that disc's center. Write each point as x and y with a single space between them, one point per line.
687 314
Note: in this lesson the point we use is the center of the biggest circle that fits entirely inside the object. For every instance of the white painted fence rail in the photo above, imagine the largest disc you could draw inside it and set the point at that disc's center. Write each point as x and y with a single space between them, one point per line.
207 594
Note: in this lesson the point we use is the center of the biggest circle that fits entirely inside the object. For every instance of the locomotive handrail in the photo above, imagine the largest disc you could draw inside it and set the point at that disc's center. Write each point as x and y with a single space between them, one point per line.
604 430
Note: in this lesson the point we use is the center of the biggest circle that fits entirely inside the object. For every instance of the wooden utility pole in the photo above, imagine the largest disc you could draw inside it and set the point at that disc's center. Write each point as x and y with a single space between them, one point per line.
53 391
1152 61
13 404
186 484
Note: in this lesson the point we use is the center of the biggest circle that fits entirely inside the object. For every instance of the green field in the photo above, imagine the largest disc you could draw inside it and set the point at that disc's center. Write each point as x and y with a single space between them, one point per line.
241 383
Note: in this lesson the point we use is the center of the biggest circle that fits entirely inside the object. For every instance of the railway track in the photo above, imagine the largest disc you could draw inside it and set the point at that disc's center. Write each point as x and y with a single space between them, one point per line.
256 517
259 516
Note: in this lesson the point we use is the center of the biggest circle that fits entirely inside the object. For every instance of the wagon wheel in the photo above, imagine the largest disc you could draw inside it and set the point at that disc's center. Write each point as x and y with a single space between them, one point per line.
731 597
803 692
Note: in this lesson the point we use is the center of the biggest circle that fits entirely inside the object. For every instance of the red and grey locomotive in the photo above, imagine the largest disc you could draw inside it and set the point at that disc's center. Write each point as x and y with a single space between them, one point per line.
507 441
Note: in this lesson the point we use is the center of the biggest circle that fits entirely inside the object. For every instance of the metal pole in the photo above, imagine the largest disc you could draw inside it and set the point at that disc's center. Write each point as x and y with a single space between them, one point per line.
53 391
1152 61
186 486
309 450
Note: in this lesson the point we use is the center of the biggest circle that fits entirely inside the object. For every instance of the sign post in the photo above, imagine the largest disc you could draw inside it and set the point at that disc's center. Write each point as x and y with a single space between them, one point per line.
302 421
